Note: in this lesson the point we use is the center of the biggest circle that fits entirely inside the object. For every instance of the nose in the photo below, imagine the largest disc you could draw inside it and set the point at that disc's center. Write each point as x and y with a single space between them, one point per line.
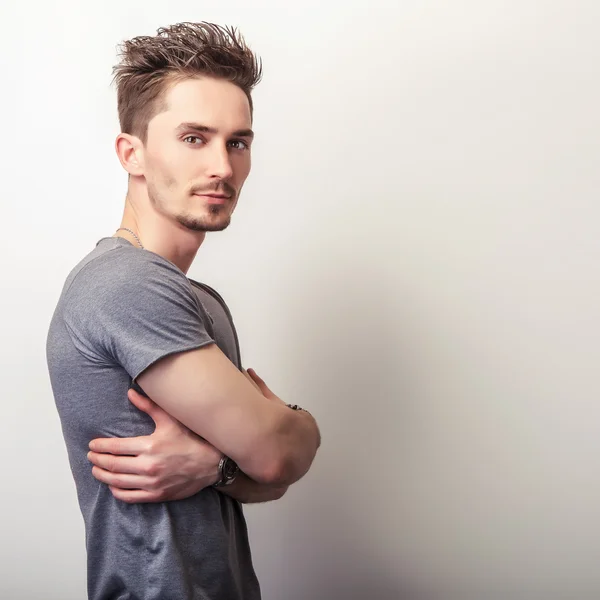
219 163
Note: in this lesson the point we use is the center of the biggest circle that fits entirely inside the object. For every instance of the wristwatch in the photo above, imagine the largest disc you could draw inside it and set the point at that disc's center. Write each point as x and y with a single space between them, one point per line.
228 470
296 407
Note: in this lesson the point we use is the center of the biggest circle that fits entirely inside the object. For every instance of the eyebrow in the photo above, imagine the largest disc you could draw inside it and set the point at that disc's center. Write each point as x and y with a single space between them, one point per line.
248 133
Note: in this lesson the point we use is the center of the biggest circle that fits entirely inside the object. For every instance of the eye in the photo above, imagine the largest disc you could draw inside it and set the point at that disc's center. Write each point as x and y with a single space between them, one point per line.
193 137
240 145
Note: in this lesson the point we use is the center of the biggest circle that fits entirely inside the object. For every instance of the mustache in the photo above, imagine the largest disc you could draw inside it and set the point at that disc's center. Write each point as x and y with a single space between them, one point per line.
221 188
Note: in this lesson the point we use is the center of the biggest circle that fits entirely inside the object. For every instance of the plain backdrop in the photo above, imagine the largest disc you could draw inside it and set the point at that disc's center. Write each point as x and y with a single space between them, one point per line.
415 258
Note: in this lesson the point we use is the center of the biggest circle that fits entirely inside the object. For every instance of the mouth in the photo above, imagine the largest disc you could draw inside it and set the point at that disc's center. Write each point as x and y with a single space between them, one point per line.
214 198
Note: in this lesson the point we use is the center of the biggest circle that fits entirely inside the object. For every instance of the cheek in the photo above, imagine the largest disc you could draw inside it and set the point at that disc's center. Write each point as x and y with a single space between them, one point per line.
170 182
166 169
242 170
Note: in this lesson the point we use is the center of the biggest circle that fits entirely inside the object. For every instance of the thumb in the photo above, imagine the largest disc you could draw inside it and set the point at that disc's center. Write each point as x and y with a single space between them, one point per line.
146 405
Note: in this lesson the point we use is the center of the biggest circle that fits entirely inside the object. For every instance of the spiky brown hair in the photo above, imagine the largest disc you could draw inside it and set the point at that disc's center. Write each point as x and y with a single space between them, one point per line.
150 65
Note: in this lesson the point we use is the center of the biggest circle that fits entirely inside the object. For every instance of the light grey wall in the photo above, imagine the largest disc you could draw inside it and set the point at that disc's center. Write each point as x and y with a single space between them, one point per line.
414 258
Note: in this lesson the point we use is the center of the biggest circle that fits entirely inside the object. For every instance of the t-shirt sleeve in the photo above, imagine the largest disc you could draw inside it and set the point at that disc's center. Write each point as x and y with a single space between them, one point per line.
133 307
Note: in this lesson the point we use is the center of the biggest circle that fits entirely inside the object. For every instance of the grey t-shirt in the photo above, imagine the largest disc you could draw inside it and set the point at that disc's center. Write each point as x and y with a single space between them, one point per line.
122 309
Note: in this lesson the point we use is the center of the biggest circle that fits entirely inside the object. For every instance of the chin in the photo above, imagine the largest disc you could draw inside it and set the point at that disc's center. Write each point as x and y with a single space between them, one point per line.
205 223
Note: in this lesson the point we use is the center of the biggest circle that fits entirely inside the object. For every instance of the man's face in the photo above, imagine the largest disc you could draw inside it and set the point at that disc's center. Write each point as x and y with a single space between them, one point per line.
197 153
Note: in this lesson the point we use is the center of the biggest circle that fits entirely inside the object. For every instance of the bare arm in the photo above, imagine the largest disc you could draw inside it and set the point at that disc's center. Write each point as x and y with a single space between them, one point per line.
172 463
244 489
248 491
202 389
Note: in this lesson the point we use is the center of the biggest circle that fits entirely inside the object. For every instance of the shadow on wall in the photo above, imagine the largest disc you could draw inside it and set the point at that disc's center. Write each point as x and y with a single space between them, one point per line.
345 527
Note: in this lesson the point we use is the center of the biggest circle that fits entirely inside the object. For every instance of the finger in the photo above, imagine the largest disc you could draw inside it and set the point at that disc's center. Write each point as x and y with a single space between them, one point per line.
249 378
264 388
140 401
254 376
118 464
123 446
125 482
135 496
158 415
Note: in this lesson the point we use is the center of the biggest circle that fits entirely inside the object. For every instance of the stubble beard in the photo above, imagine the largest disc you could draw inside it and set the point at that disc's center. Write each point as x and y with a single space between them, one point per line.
200 224
189 221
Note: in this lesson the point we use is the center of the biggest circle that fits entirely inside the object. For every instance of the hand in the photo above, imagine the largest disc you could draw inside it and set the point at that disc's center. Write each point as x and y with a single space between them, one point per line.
171 464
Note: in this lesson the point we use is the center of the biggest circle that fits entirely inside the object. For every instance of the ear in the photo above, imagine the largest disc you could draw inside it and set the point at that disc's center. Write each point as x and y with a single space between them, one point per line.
130 151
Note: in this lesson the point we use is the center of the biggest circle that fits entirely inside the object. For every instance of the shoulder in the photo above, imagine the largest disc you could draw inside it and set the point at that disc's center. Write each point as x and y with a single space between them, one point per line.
125 271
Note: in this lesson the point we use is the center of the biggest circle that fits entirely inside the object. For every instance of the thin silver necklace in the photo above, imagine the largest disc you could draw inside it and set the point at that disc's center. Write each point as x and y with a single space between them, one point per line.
133 234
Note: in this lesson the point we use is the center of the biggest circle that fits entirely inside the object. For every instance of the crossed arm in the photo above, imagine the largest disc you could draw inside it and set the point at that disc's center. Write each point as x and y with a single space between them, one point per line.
174 462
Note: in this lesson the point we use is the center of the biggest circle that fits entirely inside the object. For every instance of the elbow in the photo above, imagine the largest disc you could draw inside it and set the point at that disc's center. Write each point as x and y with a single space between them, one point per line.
279 492
288 463
276 472
284 471
272 468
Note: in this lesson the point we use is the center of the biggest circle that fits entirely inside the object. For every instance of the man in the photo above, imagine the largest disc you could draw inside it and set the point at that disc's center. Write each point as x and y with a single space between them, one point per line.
128 317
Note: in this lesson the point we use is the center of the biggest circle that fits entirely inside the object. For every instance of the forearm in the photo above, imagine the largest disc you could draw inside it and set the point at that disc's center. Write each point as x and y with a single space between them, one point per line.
248 491
299 438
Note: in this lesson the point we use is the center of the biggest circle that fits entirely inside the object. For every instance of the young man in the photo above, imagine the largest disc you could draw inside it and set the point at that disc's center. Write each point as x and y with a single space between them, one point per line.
128 317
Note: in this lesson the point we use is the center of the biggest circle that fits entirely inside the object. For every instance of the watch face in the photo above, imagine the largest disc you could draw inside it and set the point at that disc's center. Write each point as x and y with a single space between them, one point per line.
230 469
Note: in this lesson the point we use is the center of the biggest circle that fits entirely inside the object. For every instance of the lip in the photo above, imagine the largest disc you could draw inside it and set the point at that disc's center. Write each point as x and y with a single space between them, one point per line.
214 198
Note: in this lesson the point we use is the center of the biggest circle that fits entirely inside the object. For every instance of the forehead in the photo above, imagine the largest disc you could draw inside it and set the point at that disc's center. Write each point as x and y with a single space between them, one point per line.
213 102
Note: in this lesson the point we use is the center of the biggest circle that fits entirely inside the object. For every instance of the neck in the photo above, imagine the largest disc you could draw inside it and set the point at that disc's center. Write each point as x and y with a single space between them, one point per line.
162 236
